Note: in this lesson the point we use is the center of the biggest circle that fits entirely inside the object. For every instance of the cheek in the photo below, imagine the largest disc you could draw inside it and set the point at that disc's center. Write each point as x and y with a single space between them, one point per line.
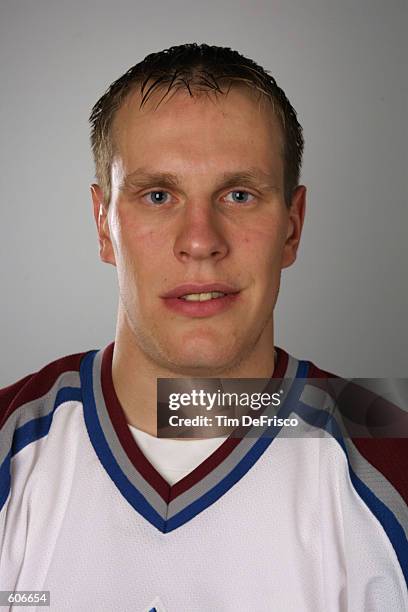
262 245
138 246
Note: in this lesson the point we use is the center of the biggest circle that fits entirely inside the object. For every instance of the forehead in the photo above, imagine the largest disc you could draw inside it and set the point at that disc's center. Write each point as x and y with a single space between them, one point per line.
198 133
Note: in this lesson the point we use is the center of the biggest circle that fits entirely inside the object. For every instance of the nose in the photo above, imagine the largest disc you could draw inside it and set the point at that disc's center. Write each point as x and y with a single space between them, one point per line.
200 235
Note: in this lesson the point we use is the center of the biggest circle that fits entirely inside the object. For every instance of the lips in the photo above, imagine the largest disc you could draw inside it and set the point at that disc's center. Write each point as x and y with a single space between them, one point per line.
175 301
189 288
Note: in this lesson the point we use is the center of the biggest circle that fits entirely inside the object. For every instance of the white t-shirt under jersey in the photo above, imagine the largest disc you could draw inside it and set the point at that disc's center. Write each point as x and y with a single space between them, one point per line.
174 459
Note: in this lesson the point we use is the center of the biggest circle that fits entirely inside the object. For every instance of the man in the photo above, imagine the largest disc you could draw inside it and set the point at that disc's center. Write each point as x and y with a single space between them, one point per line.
198 206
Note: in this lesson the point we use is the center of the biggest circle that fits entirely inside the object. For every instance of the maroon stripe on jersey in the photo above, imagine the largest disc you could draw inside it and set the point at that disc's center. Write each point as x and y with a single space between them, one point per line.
218 456
388 455
35 385
8 395
208 465
281 363
135 455
119 422
315 372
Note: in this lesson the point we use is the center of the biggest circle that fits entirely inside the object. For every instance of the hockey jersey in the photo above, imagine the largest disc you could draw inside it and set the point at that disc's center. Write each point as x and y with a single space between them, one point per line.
263 524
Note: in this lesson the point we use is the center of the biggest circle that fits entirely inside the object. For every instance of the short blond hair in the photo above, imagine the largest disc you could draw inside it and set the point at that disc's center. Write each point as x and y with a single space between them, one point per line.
196 68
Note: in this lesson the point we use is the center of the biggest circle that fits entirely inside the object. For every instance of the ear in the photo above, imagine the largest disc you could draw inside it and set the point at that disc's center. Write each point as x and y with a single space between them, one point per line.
296 215
106 252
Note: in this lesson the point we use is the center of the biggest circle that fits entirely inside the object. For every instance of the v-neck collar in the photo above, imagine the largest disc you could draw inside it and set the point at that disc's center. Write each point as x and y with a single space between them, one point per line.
164 506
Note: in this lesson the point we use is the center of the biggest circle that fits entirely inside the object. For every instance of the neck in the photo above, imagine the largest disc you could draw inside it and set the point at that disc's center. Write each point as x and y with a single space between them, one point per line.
135 374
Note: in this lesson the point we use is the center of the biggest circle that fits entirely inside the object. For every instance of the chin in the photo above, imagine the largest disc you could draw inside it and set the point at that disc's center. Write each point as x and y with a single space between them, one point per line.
201 358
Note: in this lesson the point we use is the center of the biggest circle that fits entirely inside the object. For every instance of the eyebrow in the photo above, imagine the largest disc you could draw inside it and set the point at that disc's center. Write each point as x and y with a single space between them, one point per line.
255 177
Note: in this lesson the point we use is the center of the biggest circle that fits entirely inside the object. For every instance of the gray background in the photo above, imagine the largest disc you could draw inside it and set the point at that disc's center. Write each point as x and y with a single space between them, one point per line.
342 64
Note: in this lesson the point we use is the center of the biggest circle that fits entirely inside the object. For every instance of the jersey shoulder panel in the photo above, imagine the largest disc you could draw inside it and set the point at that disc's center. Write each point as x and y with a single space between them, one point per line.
34 387
372 438
386 451
27 408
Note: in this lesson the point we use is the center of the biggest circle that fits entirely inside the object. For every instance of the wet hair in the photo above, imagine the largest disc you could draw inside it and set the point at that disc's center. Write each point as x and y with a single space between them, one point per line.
196 68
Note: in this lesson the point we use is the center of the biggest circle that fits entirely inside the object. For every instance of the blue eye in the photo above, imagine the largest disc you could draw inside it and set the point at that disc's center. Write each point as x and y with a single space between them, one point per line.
157 197
241 197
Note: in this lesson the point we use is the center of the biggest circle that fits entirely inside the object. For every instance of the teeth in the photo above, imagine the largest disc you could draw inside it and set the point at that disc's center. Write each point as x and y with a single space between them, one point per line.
202 297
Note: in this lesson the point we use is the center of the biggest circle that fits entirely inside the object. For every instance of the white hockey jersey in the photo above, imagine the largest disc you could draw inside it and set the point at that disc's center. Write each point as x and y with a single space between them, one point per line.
261 525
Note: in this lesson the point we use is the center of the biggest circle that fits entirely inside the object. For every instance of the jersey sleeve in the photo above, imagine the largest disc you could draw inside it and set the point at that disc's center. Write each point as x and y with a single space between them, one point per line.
374 511
26 414
9 402
8 399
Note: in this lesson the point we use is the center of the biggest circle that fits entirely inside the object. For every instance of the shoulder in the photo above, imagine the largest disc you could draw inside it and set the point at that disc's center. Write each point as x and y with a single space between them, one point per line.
24 398
372 420
369 421
27 408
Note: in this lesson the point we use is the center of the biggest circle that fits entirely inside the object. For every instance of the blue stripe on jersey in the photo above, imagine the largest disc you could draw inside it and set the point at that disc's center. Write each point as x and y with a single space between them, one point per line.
387 519
101 446
131 493
31 432
5 479
221 488
383 514
303 369
247 461
38 428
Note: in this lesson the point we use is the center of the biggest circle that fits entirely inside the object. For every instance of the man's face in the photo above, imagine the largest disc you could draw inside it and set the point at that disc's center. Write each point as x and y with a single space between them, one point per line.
218 225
